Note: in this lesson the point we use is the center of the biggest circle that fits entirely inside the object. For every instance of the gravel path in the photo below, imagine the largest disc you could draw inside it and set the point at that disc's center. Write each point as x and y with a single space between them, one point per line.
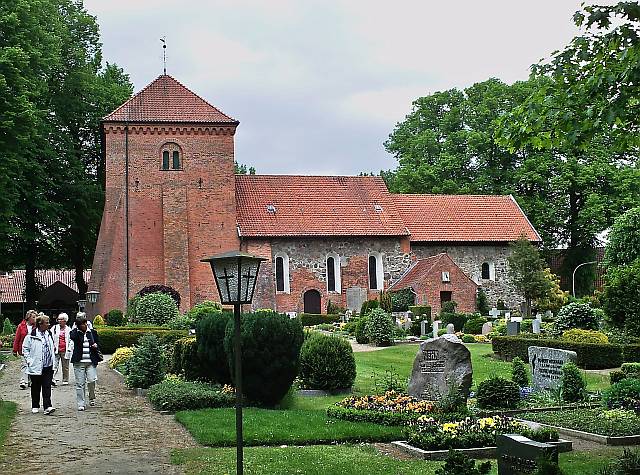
122 434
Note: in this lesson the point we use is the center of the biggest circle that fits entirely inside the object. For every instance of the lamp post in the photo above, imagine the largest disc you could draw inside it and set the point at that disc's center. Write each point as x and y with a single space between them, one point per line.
92 298
235 274
573 279
81 305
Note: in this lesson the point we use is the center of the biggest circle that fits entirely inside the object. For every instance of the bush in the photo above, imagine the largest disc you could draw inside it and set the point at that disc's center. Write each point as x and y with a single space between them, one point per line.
8 328
98 321
496 392
385 418
474 325
589 355
402 300
334 309
421 310
181 322
311 319
624 239
161 289
131 314
623 395
458 463
482 303
210 332
157 309
120 357
146 367
185 359
573 385
113 338
114 318
621 301
458 319
576 315
199 311
327 362
361 330
270 354
626 464
380 327
175 395
468 339
616 377
585 336
368 306
519 373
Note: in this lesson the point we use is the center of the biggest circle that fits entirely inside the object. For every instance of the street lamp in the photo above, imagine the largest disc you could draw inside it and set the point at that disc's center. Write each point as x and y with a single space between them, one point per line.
573 279
92 298
236 274
81 305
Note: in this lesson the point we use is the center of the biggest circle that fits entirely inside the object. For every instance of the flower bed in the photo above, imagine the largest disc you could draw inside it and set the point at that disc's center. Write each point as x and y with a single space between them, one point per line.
429 434
613 423
391 408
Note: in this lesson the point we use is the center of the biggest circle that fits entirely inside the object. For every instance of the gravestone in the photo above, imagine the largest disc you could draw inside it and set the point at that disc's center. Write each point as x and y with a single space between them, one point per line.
356 296
546 365
495 313
507 315
440 363
513 328
487 328
423 328
548 314
450 329
519 455
435 328
536 324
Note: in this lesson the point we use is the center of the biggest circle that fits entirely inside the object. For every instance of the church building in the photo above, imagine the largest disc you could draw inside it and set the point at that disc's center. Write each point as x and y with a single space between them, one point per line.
172 198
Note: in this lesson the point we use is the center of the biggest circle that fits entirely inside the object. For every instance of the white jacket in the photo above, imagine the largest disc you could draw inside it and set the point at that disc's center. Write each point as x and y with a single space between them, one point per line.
32 351
56 340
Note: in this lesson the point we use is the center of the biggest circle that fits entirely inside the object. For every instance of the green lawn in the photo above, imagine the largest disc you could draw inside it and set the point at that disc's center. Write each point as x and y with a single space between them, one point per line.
216 427
7 413
345 460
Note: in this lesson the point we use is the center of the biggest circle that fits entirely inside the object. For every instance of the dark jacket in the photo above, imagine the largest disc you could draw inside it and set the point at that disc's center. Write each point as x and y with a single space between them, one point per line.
77 337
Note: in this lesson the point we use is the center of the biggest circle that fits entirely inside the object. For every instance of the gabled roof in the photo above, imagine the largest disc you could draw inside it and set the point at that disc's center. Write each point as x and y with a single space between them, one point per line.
420 272
12 284
166 100
288 205
452 218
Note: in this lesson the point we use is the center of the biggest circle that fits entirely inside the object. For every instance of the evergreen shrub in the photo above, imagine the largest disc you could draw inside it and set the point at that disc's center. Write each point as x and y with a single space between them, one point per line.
114 318
624 394
421 310
402 300
519 373
210 333
468 339
112 338
474 325
156 308
573 385
576 315
496 392
458 319
271 345
585 336
120 357
361 330
146 367
380 327
199 311
98 321
327 362
459 463
161 289
8 328
621 299
311 319
185 359
176 395
368 306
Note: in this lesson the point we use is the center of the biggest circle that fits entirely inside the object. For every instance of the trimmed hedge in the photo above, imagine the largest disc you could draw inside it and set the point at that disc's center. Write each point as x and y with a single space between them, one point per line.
419 310
172 395
185 359
112 338
311 319
590 355
386 418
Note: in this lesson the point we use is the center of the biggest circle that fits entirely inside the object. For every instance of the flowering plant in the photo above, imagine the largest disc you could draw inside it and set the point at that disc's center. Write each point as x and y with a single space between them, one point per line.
120 357
390 401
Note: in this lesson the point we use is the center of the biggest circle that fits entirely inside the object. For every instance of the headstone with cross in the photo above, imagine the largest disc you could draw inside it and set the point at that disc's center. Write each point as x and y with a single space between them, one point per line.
495 313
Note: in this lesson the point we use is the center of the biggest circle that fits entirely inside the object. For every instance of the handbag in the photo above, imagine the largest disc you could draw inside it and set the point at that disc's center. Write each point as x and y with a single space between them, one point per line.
99 354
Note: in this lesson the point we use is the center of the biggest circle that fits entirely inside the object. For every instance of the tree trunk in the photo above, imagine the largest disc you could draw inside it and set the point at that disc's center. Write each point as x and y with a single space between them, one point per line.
30 283
78 264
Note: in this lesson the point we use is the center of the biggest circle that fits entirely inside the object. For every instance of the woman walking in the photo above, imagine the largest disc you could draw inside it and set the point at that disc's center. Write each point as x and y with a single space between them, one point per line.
38 354
24 328
62 348
85 360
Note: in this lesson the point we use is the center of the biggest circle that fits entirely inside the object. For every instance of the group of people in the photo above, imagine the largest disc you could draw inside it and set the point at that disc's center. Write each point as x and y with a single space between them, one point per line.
44 351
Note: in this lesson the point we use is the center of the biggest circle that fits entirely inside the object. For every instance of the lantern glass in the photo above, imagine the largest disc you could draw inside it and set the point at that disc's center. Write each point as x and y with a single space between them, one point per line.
235 274
92 296
82 304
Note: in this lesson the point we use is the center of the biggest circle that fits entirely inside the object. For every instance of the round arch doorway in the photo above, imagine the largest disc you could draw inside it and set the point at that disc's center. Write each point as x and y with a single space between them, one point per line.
312 302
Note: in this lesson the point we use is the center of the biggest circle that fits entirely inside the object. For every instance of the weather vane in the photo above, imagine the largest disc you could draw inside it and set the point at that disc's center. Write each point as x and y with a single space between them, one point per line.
164 53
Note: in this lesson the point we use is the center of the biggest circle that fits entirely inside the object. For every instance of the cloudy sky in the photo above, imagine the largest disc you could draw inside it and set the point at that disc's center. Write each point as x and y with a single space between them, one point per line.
318 85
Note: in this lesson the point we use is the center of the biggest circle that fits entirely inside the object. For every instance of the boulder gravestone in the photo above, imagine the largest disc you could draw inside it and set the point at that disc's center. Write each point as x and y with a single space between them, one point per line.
518 455
440 363
546 365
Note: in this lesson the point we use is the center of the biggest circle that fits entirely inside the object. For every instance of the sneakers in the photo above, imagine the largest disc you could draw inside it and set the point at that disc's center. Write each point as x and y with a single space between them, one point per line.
65 383
92 402
80 408
35 410
49 410
23 385
54 384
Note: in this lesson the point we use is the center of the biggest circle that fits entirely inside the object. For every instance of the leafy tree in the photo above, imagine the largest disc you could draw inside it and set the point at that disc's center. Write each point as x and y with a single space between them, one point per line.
624 239
241 169
621 298
555 298
526 272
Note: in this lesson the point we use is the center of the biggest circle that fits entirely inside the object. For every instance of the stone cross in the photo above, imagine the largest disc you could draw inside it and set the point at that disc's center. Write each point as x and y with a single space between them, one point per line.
450 329
495 313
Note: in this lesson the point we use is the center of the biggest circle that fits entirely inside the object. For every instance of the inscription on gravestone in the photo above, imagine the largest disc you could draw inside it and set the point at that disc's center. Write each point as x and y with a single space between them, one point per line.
518 455
546 365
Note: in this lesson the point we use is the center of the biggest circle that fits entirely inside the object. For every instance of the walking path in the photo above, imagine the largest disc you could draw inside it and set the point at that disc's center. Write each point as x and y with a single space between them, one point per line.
122 434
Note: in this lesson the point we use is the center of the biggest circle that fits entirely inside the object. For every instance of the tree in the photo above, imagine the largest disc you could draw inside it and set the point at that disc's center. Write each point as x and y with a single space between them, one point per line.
526 272
624 239
241 169
621 298
555 298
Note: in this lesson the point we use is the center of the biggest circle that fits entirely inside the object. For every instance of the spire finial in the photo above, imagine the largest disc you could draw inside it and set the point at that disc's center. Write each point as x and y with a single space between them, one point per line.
164 53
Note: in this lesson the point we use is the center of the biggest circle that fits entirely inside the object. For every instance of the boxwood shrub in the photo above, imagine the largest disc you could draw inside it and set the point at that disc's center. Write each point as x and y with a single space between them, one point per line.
175 395
310 319
114 318
590 355
112 338
474 325
210 331
498 392
185 360
327 362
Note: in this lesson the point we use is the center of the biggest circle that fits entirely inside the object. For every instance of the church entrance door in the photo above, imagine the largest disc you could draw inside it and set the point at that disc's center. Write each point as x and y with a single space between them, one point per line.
312 302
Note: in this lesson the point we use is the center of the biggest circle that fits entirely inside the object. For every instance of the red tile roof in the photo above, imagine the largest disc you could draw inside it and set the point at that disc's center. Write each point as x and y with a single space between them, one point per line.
450 218
12 284
419 272
315 206
166 100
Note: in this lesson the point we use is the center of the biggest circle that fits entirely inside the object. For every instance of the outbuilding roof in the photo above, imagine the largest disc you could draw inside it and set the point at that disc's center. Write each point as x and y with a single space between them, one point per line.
12 283
420 272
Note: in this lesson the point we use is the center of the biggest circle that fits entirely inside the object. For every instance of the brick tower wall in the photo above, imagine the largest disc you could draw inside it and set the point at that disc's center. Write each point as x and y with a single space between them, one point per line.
176 217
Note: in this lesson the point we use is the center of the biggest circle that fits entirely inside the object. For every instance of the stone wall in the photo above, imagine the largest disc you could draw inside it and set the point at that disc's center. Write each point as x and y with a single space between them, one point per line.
469 258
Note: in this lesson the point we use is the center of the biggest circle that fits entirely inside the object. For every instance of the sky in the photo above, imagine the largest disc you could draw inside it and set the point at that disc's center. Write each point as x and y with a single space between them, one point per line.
318 86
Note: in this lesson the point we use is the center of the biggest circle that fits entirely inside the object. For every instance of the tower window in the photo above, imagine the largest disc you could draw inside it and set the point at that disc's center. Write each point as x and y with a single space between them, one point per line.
165 160
376 272
171 157
282 272
488 271
176 160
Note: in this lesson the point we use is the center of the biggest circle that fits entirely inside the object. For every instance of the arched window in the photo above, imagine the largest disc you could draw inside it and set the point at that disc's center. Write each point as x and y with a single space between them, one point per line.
376 272
176 160
171 157
488 271
165 160
333 273
282 273
485 270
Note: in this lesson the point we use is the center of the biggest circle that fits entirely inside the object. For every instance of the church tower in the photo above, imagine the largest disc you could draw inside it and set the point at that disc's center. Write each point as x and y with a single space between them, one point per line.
170 195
